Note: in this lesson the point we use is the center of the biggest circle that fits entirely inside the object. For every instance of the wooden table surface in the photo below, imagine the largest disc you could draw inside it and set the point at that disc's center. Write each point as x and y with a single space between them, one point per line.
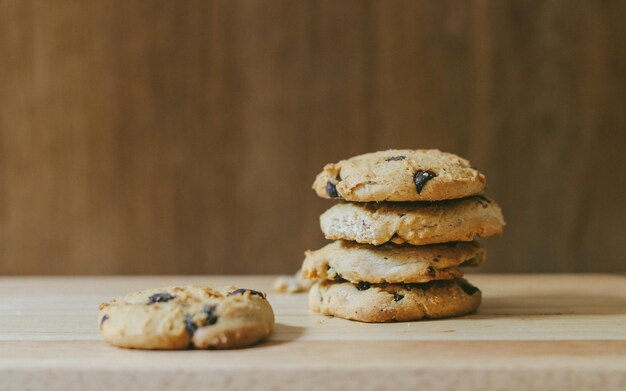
532 331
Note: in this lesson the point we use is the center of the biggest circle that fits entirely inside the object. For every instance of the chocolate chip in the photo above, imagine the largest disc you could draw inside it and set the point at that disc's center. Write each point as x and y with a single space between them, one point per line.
397 296
363 286
211 317
252 292
421 177
104 319
339 278
190 325
431 270
331 190
160 298
395 158
467 287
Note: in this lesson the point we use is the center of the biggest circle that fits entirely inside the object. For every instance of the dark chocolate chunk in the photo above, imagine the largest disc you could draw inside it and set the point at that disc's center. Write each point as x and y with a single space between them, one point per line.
211 316
467 287
160 298
421 177
397 296
339 278
242 291
395 158
363 286
104 319
331 190
190 325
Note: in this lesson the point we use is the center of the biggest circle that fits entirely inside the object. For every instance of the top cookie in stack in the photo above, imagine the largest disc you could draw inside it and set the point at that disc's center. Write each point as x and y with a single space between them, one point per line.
400 175
409 212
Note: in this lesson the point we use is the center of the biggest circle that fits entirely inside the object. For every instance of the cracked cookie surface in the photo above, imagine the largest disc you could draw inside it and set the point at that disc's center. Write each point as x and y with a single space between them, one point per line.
400 175
394 302
187 316
416 223
390 263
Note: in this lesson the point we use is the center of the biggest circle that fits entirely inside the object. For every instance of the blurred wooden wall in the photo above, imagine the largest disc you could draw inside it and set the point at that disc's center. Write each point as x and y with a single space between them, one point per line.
183 136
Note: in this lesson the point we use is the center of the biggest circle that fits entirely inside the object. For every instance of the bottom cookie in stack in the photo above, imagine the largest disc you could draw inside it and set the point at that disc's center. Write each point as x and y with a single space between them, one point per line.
391 283
394 302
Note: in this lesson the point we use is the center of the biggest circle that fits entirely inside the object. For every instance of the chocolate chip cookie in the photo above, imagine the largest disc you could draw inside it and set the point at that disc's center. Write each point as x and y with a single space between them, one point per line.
187 316
400 175
416 223
390 263
394 302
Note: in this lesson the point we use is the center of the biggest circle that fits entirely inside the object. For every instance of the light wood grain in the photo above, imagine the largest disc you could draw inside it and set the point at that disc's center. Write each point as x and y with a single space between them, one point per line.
181 137
557 332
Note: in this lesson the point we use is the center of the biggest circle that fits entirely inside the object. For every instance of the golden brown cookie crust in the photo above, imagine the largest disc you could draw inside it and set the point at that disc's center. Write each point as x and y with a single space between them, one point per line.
400 175
188 316
394 302
390 263
416 223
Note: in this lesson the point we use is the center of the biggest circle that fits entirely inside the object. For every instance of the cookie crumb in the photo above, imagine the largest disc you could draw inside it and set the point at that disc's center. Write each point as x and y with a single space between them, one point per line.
292 284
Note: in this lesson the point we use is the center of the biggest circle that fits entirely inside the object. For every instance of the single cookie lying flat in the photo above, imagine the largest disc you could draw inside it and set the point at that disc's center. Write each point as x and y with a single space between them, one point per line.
394 302
415 223
187 316
400 175
390 263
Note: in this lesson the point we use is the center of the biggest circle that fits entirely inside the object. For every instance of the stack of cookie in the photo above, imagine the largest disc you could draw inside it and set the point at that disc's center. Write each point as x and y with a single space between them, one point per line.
406 225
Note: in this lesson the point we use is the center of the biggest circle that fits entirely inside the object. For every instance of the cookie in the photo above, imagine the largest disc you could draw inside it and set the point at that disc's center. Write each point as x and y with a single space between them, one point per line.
292 284
390 263
187 316
394 302
400 175
413 222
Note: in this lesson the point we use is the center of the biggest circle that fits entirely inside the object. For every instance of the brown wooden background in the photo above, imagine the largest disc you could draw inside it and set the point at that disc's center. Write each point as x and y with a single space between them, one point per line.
183 136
